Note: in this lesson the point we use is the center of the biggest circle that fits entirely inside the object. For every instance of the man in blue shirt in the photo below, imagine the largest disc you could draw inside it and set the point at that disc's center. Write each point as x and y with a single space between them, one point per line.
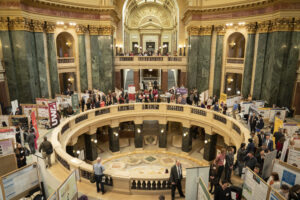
235 109
98 170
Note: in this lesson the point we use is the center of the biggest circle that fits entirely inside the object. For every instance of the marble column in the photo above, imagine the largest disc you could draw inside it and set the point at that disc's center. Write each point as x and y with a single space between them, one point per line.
162 136
164 80
81 30
186 139
218 61
247 76
210 148
136 79
138 136
52 59
90 148
113 135
192 67
118 79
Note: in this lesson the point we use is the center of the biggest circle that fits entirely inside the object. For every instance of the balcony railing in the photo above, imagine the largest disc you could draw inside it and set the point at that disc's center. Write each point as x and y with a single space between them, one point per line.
66 60
150 58
235 60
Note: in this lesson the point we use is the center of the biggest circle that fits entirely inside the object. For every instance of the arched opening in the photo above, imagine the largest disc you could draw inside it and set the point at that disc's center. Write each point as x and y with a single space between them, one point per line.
236 45
65 45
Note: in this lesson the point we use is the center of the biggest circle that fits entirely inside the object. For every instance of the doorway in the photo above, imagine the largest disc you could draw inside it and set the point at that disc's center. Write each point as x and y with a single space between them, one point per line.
67 81
233 84
150 47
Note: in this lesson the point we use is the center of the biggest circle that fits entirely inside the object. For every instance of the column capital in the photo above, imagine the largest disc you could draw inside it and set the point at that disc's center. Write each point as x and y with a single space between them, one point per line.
3 24
282 24
193 30
205 30
19 24
221 30
251 28
106 30
50 27
38 26
81 29
297 24
263 27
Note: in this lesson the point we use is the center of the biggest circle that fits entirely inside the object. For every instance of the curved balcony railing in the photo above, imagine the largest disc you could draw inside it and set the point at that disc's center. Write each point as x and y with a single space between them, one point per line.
234 133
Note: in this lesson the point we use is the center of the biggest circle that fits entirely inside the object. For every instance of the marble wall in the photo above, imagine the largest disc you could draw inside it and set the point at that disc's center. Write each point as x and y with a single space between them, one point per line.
102 62
199 62
246 87
218 66
82 63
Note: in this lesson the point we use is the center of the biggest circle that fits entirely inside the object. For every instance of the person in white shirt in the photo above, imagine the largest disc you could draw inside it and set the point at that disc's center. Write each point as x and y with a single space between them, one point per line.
274 181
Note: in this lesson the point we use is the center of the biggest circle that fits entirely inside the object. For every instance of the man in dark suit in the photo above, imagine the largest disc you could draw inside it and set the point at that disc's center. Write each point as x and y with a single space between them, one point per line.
175 179
252 122
269 142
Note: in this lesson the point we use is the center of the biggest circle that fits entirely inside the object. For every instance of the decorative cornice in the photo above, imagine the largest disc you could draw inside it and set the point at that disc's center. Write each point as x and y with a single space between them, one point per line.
50 27
263 27
282 24
101 30
221 30
205 30
3 24
38 26
297 24
20 24
251 28
93 30
81 29
193 30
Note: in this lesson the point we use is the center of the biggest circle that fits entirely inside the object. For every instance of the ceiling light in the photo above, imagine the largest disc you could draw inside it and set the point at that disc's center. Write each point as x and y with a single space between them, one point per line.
238 92
229 89
229 24
241 23
95 141
72 24
78 152
60 23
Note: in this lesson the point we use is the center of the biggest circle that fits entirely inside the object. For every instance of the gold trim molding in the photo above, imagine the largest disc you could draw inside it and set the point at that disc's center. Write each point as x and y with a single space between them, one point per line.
205 30
20 24
221 30
81 29
50 27
101 30
251 28
3 24
38 26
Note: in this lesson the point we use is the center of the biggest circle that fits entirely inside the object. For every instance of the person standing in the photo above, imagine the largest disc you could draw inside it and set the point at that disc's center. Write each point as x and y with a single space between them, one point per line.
260 123
175 179
252 122
223 191
229 165
213 178
98 171
82 103
220 163
235 109
47 150
30 139
268 142
20 155
250 160
242 152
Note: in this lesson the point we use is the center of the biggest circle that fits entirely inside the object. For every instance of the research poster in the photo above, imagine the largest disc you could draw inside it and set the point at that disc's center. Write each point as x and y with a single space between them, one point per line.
68 190
294 157
53 196
287 174
13 186
254 188
43 111
202 191
267 167
7 133
6 147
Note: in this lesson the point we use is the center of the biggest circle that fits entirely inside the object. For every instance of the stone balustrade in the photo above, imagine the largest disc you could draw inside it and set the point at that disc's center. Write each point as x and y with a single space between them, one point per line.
234 134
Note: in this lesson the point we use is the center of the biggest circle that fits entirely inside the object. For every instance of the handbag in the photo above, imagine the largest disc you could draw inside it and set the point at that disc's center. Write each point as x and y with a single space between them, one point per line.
93 179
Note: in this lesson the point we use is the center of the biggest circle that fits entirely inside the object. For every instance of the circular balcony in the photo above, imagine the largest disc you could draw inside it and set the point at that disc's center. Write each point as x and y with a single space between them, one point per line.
233 132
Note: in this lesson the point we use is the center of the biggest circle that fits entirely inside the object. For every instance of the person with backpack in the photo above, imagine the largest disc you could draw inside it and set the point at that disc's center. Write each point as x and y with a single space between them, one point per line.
47 150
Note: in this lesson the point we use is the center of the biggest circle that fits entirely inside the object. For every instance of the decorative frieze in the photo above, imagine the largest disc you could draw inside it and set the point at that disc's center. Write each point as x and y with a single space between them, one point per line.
193 30
81 29
3 23
101 30
251 28
220 30
282 24
263 27
49 27
20 24
93 30
297 24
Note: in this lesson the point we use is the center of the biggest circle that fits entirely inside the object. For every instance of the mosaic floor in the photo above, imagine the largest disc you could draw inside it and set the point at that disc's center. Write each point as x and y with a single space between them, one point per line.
146 165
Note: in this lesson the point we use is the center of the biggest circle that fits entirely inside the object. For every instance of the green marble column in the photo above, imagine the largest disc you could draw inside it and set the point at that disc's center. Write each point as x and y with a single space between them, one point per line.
41 64
260 63
218 66
52 60
113 135
82 62
203 68
95 57
162 136
247 76
138 136
90 148
9 62
210 147
192 62
186 140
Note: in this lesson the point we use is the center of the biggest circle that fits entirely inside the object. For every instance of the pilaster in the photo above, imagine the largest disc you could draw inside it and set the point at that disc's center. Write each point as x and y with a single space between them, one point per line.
186 140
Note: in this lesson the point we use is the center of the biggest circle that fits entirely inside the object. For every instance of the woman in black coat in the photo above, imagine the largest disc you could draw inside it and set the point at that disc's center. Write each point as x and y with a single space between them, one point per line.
20 155
213 176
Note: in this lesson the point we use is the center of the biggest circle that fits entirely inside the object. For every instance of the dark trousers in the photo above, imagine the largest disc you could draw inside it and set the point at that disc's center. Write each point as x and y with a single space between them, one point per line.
228 174
98 179
32 149
220 171
178 185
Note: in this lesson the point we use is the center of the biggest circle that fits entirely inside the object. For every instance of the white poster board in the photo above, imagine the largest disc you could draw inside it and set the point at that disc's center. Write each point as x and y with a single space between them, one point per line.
13 186
273 112
14 106
288 174
291 128
4 118
43 111
254 188
245 107
294 157
68 190
202 191
267 168
7 133
192 180
6 147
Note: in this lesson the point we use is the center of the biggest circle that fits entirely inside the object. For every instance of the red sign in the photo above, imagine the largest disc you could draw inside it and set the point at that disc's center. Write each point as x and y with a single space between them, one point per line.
54 119
131 92
34 124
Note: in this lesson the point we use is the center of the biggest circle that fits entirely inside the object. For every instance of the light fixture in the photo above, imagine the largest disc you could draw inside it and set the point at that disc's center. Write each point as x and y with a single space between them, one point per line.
238 92
69 79
69 44
229 24
150 70
121 46
78 152
162 130
232 44
229 89
139 130
230 80
184 45
205 141
95 141
117 45
116 134
92 140
185 134
241 23
60 23
180 46
72 24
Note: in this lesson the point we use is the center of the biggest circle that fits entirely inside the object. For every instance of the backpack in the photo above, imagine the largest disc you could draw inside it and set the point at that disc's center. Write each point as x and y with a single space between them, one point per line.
50 150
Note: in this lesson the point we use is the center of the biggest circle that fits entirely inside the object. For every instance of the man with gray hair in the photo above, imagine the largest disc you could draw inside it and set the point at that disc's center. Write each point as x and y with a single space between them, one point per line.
175 179
98 171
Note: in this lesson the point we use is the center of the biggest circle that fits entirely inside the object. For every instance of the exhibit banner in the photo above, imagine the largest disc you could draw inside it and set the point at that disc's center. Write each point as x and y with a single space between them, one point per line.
6 147
203 193
7 133
75 103
267 167
14 106
43 111
14 188
131 92
294 156
288 174
68 190
223 98
54 119
254 188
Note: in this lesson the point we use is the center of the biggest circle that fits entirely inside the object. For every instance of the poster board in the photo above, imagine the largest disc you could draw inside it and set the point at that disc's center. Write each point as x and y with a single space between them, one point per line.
8 164
291 128
8 133
294 156
273 112
53 196
6 147
59 99
28 108
267 167
1 193
274 195
264 112
14 188
254 188
203 193
42 111
131 92
245 106
68 189
288 174
192 180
